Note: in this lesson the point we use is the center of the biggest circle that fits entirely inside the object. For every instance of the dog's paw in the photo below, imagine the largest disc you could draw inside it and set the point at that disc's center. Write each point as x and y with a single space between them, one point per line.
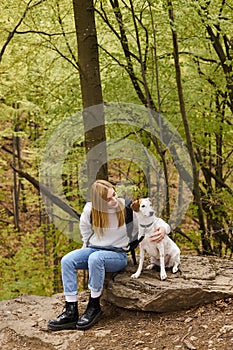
175 269
135 275
163 276
150 267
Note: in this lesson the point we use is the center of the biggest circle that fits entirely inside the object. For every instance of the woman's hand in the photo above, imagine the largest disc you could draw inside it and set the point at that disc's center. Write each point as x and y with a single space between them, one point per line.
158 234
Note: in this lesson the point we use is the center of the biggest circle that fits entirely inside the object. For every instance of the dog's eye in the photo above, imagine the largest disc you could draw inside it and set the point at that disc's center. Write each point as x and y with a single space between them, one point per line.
143 206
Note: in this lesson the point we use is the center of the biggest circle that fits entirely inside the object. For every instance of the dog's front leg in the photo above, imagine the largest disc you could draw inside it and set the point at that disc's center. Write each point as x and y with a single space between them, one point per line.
140 265
163 274
176 262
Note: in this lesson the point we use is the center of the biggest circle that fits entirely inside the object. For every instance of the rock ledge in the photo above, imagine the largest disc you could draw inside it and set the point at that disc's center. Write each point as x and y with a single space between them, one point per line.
201 280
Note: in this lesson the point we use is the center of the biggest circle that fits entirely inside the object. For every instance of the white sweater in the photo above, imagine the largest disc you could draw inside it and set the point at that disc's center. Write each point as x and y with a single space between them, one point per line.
113 236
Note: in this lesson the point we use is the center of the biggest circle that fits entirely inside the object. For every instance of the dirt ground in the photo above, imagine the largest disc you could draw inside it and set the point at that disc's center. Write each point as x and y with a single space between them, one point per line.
24 326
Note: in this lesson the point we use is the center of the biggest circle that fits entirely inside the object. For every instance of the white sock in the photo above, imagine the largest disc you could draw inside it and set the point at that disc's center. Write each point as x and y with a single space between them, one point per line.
95 294
71 298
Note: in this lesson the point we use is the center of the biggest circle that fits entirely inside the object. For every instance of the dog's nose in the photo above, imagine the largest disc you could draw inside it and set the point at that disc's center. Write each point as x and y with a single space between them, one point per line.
151 213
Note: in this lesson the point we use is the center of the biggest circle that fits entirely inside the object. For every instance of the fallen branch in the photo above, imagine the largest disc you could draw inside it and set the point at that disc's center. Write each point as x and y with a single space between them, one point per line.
43 189
4 148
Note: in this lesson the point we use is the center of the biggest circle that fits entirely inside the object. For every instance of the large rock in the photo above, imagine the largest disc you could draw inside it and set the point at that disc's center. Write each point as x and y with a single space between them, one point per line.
200 280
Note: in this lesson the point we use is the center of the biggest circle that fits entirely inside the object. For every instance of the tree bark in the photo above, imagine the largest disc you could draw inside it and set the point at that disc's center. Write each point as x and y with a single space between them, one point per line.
15 188
93 109
197 196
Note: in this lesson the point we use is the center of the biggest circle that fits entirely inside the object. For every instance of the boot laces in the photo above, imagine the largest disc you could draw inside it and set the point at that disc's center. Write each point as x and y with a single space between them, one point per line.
63 312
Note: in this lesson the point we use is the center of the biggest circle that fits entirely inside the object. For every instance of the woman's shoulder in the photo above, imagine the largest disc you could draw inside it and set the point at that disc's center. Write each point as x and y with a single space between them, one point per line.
87 207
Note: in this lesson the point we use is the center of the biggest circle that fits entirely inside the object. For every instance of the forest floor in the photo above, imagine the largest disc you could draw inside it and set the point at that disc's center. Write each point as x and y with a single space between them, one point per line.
24 327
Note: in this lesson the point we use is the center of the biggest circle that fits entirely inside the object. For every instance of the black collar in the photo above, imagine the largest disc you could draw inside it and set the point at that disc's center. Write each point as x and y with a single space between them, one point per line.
146 226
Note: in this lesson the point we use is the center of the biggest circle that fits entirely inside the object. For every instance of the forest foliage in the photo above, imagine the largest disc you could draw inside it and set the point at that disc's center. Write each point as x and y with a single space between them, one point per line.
40 89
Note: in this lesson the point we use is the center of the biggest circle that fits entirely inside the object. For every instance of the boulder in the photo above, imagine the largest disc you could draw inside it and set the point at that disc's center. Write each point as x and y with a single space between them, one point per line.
200 280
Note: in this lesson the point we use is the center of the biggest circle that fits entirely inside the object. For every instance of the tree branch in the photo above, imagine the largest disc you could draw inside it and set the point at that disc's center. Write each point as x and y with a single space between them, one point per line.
4 148
43 189
64 35
31 31
13 32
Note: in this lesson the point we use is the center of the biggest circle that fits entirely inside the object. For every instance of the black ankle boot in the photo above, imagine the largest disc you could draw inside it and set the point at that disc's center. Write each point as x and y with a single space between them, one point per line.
67 320
91 315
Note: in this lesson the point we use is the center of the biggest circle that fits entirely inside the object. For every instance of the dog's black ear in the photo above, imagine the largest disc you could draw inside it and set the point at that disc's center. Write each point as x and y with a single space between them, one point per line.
135 206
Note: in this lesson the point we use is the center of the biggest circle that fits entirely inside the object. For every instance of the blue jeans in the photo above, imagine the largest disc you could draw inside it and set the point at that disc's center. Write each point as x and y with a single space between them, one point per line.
96 261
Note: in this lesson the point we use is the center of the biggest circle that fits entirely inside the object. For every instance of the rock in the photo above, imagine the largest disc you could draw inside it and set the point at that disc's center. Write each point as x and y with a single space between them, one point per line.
189 345
102 333
201 280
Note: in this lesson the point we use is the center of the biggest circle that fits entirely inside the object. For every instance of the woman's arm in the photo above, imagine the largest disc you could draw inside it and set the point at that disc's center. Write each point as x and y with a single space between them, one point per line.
85 223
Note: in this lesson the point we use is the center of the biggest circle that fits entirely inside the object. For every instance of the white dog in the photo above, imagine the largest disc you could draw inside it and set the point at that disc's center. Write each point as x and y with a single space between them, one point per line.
164 253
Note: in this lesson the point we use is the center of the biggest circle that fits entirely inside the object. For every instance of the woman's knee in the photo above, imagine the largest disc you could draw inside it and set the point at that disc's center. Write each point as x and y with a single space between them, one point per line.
95 259
66 260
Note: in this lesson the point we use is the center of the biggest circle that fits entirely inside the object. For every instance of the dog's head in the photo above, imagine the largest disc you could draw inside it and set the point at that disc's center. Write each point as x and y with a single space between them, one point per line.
143 206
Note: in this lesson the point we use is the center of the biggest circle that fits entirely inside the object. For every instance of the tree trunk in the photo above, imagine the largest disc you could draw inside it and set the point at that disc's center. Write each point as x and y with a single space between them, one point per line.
205 243
93 109
15 188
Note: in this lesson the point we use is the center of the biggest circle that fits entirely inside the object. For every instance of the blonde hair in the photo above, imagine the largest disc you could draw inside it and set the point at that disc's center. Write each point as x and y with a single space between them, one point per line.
99 193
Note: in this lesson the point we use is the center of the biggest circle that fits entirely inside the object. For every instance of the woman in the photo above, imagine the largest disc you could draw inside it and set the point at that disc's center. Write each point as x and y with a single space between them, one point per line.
105 243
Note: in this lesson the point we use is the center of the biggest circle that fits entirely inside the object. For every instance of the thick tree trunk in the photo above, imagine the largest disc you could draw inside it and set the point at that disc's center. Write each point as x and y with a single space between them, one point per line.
93 113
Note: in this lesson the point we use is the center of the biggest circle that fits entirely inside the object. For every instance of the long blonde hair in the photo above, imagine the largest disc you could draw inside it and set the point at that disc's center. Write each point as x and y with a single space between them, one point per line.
100 220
